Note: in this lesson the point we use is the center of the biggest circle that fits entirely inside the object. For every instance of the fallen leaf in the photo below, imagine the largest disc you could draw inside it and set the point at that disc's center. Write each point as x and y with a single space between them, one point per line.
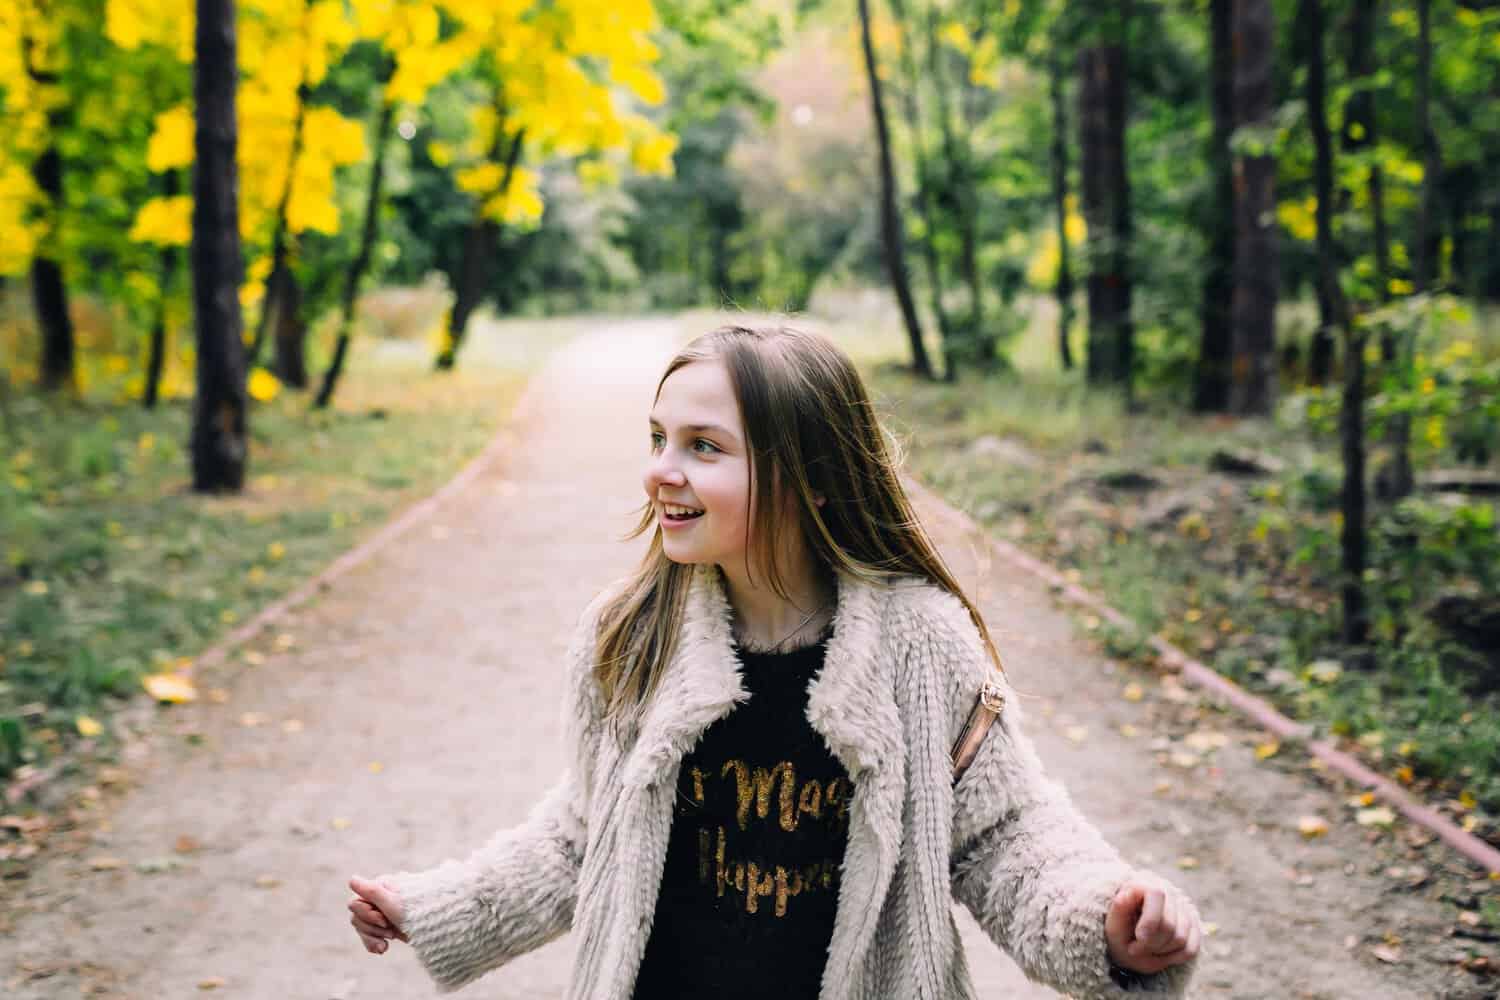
1134 692
252 719
1077 734
1324 671
1205 739
1386 953
1264 750
1183 759
267 881
340 823
1187 861
1163 786
211 983
376 767
1363 799
105 864
1312 826
155 866
1468 918
186 844
1378 816
218 695
1128 731
88 726
172 688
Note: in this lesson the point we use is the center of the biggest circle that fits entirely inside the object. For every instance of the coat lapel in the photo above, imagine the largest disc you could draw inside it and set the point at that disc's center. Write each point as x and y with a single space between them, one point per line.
851 705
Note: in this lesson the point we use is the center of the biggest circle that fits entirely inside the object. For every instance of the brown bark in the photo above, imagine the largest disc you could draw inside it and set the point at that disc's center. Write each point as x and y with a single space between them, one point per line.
890 216
1211 377
356 272
479 243
167 260
218 442
1064 286
1252 387
1332 311
1106 208
911 101
49 291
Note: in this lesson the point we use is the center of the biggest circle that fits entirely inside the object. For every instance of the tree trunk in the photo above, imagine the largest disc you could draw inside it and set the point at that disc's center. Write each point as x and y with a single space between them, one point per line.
1395 478
959 190
925 208
1424 271
1106 208
1331 311
291 331
356 272
479 243
1064 287
167 257
218 442
279 278
890 216
1253 305
1352 501
49 292
1211 377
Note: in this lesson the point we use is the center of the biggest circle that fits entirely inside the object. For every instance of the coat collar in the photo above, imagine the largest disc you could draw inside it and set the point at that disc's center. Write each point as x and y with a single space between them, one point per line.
851 705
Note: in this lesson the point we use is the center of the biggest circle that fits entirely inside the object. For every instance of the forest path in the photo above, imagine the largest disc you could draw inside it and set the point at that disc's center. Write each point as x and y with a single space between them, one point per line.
422 691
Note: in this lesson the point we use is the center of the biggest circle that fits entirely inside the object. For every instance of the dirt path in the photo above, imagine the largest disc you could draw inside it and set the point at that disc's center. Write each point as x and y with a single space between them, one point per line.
421 700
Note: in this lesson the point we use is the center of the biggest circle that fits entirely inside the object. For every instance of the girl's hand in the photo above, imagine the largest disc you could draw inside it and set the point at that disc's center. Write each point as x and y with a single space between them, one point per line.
1151 925
377 914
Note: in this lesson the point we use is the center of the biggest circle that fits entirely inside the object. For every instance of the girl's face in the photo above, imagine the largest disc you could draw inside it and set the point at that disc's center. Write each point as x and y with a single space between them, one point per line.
699 460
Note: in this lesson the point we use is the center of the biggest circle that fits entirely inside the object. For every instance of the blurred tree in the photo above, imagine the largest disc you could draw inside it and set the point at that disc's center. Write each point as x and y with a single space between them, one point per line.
219 443
1252 387
891 225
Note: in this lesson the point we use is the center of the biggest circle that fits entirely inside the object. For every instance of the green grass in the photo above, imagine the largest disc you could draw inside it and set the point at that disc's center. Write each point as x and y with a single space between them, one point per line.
114 569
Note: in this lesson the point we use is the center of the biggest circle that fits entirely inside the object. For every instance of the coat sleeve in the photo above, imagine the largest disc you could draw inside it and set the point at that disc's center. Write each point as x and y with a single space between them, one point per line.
517 892
1035 873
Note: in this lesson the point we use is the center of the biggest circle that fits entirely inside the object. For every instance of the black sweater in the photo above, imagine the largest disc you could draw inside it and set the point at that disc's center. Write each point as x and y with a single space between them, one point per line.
751 878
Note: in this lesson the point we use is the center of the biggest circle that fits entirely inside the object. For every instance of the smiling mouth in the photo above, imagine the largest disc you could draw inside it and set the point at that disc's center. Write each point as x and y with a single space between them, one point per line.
679 516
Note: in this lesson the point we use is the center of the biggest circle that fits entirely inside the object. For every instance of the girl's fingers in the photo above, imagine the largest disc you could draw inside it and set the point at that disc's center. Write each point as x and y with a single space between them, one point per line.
373 945
366 911
1165 938
365 927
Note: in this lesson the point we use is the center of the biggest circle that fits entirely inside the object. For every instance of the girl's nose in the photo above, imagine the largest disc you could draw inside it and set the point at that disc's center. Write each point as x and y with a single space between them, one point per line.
661 470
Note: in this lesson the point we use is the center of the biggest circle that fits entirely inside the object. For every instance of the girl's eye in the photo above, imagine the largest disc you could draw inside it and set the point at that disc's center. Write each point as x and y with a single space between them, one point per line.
657 439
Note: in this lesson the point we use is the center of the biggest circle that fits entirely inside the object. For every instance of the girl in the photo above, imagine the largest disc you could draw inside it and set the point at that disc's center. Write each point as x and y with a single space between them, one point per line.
760 794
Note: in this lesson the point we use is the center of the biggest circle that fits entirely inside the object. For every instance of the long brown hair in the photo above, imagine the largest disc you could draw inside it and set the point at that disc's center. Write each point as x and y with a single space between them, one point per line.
808 423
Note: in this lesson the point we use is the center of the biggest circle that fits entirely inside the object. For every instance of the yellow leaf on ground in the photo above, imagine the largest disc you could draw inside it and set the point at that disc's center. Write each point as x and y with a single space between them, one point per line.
1312 826
172 688
1187 861
88 726
1264 750
340 823
1076 734
1205 739
1378 816
1134 692
103 864
211 983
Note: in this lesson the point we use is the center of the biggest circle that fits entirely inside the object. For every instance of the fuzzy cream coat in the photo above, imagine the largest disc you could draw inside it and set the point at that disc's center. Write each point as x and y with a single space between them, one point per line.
902 668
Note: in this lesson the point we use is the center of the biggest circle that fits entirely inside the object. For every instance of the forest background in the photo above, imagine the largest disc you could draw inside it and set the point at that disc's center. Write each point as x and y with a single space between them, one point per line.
1194 298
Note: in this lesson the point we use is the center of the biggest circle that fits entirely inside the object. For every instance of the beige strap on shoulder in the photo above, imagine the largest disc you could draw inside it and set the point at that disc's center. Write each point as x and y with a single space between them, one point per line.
986 710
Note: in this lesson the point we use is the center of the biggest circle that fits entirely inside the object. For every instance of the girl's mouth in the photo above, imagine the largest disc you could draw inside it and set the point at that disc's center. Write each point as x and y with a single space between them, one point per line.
678 520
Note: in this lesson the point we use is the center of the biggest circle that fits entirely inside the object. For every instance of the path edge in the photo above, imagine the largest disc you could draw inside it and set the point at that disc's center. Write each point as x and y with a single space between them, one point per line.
1199 675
